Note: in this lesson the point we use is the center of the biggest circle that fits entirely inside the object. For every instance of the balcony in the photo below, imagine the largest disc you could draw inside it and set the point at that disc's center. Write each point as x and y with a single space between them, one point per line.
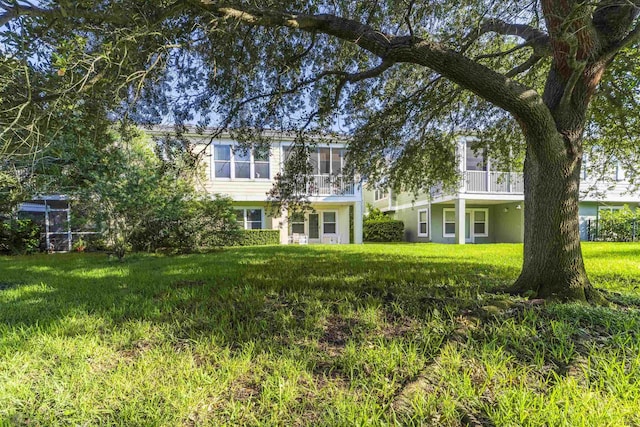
493 182
327 185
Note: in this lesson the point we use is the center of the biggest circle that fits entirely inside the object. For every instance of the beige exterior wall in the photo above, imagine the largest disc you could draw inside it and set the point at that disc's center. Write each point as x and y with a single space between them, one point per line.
251 193
241 189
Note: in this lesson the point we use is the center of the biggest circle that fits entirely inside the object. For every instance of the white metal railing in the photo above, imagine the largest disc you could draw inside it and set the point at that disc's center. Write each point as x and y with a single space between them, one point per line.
328 185
493 182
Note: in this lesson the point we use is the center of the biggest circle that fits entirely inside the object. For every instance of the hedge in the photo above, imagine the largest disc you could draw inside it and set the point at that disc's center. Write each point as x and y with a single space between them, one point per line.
257 238
387 230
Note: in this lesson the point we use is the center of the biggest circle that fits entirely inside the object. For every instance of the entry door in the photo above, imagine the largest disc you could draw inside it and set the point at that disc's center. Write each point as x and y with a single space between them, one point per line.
468 236
314 226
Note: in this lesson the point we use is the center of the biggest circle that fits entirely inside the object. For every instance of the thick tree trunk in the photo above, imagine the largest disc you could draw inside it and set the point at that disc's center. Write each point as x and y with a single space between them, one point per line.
553 266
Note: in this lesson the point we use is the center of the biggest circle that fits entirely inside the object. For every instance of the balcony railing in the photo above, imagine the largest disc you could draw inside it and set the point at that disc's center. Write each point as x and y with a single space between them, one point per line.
327 185
493 182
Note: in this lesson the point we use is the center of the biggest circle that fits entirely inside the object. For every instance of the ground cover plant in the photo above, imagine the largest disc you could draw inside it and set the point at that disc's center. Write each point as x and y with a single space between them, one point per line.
314 335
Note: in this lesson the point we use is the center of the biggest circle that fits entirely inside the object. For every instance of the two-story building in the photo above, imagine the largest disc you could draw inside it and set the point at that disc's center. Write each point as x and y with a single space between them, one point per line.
488 206
247 176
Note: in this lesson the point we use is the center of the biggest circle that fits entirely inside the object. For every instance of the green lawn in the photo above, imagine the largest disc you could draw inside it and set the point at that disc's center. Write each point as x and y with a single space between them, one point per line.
314 335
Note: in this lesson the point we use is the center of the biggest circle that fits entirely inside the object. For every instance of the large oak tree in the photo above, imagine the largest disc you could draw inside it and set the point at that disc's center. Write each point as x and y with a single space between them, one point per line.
403 77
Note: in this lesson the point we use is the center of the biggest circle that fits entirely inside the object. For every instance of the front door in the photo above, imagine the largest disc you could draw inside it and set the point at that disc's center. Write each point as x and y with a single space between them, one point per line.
314 227
468 236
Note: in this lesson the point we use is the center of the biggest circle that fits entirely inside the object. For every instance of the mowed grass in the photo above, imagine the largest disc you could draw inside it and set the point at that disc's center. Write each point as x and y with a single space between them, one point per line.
314 335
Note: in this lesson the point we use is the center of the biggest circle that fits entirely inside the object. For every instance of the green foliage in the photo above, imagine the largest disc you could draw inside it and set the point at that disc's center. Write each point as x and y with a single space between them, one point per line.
190 225
141 201
383 230
376 214
380 227
616 225
79 245
119 247
256 238
10 192
19 236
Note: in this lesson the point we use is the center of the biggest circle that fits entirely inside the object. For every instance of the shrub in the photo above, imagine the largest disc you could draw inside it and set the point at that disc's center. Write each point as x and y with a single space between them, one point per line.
79 245
257 238
19 236
617 226
383 230
376 214
192 225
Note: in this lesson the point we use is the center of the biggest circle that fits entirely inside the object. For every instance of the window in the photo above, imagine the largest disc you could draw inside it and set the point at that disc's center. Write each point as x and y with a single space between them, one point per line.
297 223
337 156
380 194
479 225
480 228
261 163
423 223
475 157
324 160
609 208
620 172
449 223
249 219
222 161
329 225
240 163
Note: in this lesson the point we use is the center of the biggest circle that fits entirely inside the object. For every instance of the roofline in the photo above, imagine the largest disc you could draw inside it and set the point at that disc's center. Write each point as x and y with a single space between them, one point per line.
192 131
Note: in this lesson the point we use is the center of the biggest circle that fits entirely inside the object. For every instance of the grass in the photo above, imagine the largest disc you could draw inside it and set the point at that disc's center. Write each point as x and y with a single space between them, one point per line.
314 335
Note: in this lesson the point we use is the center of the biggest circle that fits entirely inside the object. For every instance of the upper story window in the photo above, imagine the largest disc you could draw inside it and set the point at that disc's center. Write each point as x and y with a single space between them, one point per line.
222 161
475 157
380 194
238 163
324 160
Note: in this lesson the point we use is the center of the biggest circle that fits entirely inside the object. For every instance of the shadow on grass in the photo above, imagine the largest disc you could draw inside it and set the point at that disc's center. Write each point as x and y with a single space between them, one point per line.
236 288
300 301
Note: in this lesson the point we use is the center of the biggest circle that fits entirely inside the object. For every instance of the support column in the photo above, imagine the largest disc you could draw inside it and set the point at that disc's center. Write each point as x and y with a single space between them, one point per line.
69 235
46 226
357 222
460 221
462 165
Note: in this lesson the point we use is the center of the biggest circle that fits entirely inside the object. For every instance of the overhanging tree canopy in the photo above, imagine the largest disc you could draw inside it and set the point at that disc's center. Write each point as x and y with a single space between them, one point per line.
402 77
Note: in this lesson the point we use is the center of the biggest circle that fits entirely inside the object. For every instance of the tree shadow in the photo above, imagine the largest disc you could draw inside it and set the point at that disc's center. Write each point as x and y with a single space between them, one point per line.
282 299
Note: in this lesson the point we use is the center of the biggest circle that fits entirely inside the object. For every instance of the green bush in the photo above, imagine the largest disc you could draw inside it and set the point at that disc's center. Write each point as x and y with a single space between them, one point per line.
257 238
188 226
617 226
19 236
383 230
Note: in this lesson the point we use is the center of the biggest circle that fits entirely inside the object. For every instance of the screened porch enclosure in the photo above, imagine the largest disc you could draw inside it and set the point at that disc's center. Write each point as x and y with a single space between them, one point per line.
54 218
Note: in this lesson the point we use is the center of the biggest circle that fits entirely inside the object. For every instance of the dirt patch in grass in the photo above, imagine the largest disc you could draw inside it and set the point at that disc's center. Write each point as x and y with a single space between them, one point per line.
337 331
400 327
137 349
244 388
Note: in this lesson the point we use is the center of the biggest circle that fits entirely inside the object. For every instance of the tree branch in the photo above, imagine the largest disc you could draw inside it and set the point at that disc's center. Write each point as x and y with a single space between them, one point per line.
577 68
356 77
528 64
523 102
526 32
